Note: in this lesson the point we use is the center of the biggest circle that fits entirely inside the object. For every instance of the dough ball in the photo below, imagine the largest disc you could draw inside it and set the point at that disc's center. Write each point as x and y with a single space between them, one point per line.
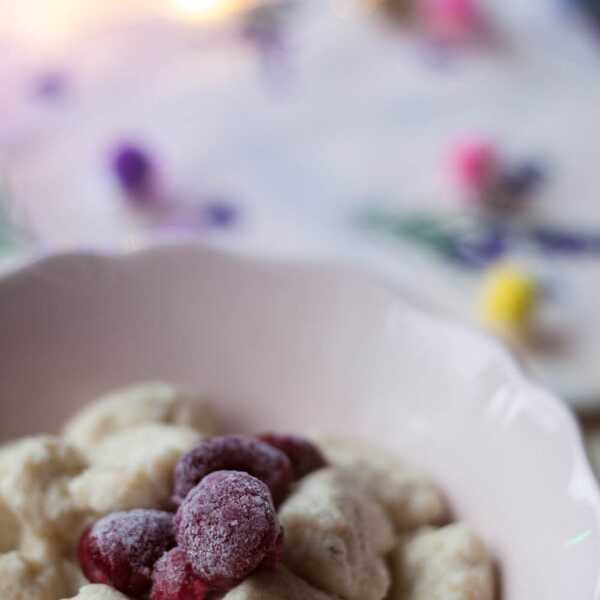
25 579
275 585
140 404
336 536
409 497
98 592
9 529
133 468
450 563
35 474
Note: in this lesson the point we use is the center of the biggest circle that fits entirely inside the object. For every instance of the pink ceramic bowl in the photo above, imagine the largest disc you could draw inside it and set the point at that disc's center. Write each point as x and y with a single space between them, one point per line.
295 346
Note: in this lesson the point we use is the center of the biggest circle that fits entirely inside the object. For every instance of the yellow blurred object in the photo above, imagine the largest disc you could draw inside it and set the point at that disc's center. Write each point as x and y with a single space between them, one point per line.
508 299
211 10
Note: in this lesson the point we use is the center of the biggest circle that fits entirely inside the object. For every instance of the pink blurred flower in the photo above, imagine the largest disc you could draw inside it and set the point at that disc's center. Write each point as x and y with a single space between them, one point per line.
474 166
451 21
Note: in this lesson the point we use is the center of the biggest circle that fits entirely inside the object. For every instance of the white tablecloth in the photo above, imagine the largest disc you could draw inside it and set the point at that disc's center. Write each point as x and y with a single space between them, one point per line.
356 113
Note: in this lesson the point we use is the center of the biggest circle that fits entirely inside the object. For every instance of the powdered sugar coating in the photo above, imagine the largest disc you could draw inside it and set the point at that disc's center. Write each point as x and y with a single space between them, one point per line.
120 549
234 453
174 579
275 557
227 525
303 454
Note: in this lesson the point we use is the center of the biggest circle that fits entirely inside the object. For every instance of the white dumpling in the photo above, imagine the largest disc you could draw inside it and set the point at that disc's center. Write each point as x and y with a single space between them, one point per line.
336 537
275 585
450 563
35 474
24 579
133 468
139 404
98 592
9 528
409 497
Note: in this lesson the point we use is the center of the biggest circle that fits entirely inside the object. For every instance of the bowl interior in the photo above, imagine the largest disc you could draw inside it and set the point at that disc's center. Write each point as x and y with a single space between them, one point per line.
297 347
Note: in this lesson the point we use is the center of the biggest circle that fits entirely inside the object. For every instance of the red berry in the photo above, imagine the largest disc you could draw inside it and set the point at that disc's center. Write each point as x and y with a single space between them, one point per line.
234 453
275 557
120 549
303 454
173 579
227 526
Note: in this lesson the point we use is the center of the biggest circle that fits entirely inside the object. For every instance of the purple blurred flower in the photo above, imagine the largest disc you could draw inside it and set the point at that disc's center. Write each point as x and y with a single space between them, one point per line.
265 28
481 250
521 180
50 85
199 218
221 213
265 37
558 241
135 172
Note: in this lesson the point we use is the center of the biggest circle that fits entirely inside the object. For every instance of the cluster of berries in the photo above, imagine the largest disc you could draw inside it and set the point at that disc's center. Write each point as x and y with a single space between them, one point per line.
225 524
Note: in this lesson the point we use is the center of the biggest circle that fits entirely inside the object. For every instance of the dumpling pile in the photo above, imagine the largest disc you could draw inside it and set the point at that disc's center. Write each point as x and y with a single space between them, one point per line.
344 521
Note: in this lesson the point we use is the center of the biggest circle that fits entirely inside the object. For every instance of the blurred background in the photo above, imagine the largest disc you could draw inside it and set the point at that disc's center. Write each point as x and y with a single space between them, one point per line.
450 146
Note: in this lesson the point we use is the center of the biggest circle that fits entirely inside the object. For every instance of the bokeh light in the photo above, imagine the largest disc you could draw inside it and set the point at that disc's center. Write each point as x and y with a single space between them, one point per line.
210 10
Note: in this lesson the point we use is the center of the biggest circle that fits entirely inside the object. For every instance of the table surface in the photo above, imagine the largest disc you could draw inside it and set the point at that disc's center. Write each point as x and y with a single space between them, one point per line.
349 113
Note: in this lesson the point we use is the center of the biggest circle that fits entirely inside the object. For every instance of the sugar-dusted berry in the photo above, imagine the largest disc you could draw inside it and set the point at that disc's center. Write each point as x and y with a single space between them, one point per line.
234 453
303 454
174 579
120 549
227 526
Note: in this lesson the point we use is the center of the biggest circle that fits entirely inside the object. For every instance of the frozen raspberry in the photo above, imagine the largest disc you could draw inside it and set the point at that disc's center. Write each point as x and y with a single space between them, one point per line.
227 526
173 579
120 550
274 558
234 453
303 454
